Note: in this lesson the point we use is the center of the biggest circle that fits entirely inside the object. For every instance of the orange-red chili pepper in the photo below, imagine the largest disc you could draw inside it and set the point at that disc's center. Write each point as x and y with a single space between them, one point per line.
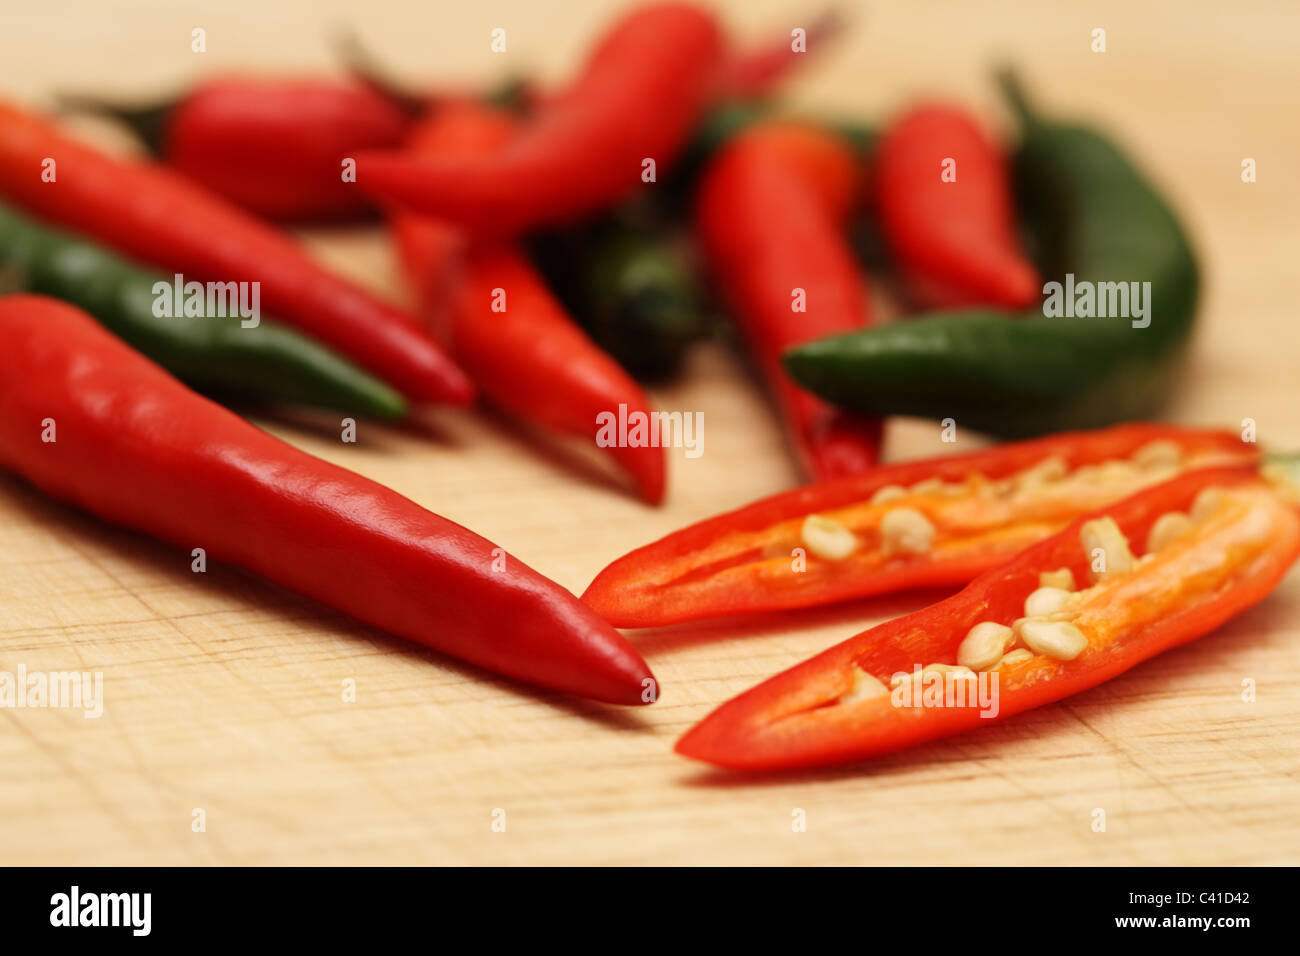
153 215
982 508
502 323
770 213
93 423
943 197
274 147
902 683
637 99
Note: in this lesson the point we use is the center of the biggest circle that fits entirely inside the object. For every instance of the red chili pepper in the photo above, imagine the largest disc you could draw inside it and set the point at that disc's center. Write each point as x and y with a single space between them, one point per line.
981 508
638 98
155 216
944 199
527 355
91 422
770 213
274 147
1201 570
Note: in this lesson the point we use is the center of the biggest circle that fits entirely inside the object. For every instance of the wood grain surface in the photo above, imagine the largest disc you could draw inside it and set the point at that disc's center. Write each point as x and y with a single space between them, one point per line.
224 693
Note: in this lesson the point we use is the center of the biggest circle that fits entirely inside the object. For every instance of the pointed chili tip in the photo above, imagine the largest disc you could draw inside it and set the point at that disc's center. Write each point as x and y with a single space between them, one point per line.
454 388
1022 284
595 595
629 682
700 743
650 479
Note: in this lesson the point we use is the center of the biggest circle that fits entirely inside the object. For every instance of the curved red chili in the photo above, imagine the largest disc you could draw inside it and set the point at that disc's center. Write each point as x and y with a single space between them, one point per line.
770 213
91 422
158 217
1113 589
503 325
637 99
943 197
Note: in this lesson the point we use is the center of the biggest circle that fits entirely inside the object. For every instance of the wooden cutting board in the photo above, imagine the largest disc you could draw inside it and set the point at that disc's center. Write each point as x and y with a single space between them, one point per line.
225 694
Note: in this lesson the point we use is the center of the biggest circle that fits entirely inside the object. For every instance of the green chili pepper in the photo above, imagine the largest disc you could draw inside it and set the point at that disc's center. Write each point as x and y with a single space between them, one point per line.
268 361
1093 216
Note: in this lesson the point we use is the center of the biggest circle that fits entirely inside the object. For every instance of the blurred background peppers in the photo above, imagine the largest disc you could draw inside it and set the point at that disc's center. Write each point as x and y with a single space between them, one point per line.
943 197
266 360
746 206
771 214
275 148
636 100
158 217
502 323
1096 220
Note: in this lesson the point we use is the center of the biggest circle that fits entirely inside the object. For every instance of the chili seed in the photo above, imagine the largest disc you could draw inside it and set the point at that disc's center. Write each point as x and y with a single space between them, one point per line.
983 645
1052 468
1206 503
887 494
1168 527
1062 578
1159 453
906 531
1056 639
865 686
1015 657
1118 471
959 670
827 538
1104 534
1046 601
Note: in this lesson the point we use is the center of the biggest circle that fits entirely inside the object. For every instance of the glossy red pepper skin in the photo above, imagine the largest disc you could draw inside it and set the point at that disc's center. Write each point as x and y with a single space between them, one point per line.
135 447
792 720
679 577
953 241
770 213
638 97
276 148
529 357
155 216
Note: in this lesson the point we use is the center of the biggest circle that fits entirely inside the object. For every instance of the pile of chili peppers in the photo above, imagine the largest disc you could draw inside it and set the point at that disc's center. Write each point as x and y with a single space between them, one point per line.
557 245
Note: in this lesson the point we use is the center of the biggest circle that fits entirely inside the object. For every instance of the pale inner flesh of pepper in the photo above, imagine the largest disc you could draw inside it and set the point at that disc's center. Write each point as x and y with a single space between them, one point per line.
1227 528
934 519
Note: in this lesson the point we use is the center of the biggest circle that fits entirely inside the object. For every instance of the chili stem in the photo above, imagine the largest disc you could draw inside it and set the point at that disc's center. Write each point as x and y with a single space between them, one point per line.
1014 92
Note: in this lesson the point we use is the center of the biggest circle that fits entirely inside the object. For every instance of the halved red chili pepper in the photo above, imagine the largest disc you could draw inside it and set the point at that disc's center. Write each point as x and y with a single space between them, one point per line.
502 323
91 422
637 98
770 213
274 147
1210 543
943 197
953 518
156 216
